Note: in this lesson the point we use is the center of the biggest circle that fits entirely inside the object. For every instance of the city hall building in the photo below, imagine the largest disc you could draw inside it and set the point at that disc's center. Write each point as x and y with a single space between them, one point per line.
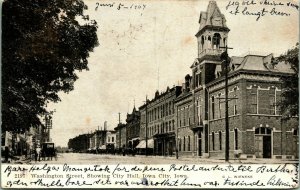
256 127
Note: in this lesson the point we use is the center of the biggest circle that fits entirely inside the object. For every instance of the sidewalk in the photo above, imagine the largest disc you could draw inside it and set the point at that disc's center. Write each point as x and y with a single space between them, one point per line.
142 159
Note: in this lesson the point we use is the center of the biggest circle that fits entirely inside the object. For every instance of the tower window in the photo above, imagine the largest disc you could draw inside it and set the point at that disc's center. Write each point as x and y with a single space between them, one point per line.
216 41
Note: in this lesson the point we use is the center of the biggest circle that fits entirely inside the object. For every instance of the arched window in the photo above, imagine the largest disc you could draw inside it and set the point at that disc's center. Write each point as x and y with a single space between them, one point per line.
224 41
189 143
216 41
262 131
183 143
202 42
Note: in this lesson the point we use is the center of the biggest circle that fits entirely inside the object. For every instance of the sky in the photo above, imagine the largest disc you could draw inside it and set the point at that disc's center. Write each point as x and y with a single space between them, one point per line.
151 45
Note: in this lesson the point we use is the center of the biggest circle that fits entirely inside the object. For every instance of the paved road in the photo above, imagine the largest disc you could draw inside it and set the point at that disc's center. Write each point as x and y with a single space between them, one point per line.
83 158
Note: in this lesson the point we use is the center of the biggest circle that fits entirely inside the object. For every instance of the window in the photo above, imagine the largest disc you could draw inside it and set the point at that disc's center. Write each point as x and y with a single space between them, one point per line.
272 101
183 143
220 139
189 143
235 112
216 41
262 131
236 139
220 113
252 101
173 125
179 144
213 140
167 127
278 100
184 112
213 107
296 132
112 139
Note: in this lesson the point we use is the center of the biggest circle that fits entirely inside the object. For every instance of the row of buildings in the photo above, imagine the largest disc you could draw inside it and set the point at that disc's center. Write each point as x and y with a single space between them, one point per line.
23 143
101 140
190 119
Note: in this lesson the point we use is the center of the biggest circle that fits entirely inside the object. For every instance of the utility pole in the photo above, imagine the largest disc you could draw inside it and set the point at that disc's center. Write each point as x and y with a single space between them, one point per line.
225 62
146 130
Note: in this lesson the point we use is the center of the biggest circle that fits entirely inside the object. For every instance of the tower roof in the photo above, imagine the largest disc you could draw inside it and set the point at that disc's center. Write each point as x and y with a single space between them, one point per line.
212 18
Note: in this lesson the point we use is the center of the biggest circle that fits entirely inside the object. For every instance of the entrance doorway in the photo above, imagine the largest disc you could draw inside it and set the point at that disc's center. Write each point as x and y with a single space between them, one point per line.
263 142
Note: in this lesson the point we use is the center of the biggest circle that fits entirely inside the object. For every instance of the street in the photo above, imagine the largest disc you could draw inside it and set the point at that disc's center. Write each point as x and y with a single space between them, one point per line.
84 158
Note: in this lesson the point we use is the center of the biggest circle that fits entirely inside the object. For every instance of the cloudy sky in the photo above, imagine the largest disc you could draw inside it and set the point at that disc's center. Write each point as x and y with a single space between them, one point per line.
151 45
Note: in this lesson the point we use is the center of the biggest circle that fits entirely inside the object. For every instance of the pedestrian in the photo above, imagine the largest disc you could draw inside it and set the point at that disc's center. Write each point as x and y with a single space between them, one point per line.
38 151
237 155
6 154
123 151
25 153
35 155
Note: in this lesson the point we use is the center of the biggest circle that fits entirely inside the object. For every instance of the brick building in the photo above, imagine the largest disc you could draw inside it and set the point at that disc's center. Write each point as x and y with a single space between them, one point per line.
256 126
121 139
133 129
160 122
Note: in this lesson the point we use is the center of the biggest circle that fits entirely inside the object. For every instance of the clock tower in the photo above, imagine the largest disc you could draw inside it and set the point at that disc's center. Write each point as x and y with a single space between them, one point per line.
212 34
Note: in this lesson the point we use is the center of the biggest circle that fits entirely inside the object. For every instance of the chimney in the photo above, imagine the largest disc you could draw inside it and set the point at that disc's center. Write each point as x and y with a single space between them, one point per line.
105 125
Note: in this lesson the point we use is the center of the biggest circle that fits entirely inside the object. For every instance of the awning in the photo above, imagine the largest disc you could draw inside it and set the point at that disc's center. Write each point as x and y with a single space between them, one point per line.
103 147
142 144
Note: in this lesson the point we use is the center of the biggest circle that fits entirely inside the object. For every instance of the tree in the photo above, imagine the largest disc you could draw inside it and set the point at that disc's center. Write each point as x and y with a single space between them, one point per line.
43 44
290 90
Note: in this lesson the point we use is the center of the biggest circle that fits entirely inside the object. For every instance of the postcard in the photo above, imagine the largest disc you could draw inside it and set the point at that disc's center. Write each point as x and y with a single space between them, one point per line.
150 94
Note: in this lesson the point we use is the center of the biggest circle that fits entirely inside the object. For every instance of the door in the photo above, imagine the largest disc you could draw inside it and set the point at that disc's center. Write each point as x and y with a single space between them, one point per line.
266 146
258 146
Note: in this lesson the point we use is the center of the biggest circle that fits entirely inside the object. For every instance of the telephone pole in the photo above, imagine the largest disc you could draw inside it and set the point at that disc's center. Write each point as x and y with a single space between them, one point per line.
146 153
225 62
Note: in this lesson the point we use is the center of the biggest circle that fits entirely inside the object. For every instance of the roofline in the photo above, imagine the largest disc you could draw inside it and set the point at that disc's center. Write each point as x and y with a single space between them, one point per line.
217 28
